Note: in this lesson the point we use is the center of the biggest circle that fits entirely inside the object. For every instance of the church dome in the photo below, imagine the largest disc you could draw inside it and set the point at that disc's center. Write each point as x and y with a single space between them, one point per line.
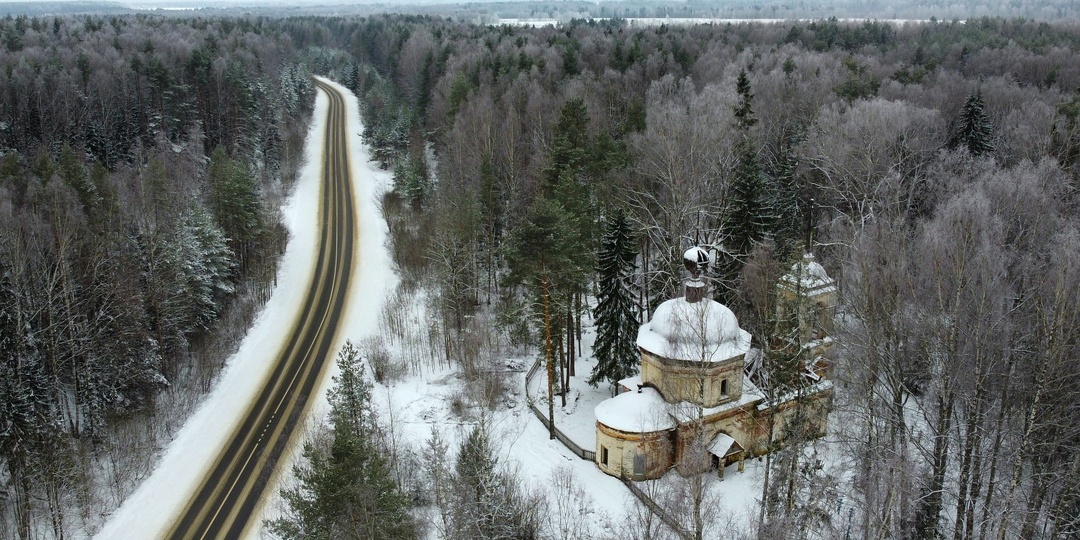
693 331
644 411
808 275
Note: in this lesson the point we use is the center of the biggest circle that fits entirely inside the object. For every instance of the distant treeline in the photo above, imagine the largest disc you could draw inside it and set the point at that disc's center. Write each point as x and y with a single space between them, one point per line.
1039 10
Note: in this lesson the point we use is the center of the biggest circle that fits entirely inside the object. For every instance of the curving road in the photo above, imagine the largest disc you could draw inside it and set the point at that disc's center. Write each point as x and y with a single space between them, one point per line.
231 493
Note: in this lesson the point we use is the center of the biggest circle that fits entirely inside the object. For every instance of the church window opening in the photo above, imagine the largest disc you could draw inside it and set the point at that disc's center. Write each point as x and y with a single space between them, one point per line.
603 455
723 387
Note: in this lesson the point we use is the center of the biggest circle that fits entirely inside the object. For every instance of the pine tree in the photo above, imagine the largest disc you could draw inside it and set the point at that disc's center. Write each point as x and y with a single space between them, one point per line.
616 311
744 111
489 502
749 212
975 132
567 179
234 201
346 490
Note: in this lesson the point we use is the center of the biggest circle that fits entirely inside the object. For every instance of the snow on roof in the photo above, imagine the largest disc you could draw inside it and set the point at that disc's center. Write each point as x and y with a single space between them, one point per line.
635 412
631 383
805 391
821 342
695 331
722 444
809 275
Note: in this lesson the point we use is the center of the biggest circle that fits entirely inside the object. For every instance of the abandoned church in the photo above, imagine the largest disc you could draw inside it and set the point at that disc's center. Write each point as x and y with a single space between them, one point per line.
704 398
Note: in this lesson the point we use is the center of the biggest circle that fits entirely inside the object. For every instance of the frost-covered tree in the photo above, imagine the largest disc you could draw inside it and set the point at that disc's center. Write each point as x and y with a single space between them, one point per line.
490 502
208 265
410 178
438 478
616 310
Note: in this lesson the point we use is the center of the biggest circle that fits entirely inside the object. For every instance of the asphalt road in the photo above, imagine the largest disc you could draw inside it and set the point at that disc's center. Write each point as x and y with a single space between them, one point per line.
227 502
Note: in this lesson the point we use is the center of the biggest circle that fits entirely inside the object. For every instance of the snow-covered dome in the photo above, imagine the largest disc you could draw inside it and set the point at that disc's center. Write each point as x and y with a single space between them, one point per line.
808 274
635 412
695 331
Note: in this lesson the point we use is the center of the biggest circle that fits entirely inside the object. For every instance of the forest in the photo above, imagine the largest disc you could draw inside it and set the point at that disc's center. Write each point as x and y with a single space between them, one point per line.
940 161
143 161
936 165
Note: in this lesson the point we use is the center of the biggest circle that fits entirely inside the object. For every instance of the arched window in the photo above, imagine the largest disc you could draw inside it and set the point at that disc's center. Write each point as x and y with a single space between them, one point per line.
723 387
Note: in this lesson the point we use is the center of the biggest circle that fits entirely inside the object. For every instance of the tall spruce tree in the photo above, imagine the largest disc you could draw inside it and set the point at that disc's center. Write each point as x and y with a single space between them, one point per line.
783 198
744 111
748 218
974 129
749 212
346 490
616 311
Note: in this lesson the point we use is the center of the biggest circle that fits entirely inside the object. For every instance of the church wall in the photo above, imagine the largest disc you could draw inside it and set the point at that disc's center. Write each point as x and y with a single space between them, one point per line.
750 427
800 420
740 424
623 448
816 321
682 381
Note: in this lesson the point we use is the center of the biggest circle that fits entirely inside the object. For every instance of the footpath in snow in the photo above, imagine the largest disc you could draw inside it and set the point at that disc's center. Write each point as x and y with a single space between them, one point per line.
157 502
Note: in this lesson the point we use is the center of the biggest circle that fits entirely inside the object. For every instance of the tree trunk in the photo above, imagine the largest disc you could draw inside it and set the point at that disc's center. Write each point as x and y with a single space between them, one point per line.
976 485
565 372
1024 445
965 475
572 356
1067 500
971 462
577 323
1035 504
549 354
763 516
931 511
995 450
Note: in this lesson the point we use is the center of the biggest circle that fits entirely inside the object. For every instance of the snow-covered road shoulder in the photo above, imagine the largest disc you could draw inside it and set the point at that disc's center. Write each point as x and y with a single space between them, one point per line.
155 504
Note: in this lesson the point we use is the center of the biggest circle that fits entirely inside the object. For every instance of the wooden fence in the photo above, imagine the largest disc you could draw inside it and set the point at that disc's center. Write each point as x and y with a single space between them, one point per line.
590 455
582 453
